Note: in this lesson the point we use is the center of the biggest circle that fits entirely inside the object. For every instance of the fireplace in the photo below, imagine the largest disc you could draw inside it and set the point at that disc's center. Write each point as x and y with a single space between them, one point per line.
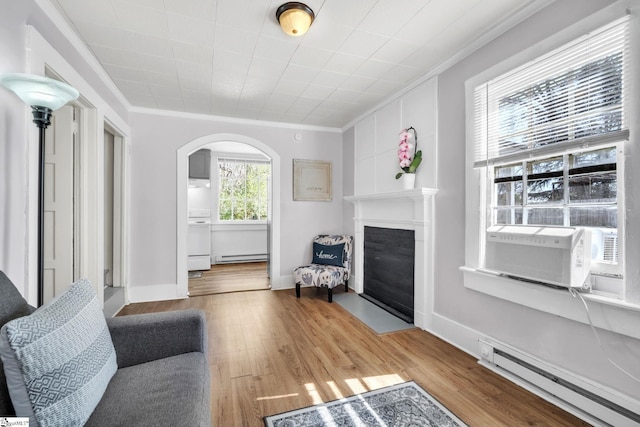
411 211
389 258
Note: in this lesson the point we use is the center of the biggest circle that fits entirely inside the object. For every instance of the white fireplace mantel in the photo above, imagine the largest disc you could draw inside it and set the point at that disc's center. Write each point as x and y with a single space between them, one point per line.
406 210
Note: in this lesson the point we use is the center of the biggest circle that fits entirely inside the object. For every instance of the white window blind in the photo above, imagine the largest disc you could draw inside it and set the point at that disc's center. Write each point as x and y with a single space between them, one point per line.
572 96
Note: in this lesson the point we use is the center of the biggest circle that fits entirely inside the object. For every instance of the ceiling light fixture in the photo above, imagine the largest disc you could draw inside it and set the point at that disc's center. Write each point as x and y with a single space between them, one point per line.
295 18
44 95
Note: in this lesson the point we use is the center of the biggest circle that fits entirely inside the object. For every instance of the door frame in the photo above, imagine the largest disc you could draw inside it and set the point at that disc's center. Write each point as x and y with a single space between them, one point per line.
95 113
121 151
182 178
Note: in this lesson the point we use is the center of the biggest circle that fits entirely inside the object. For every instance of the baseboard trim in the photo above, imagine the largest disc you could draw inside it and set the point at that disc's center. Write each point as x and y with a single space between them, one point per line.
152 293
283 282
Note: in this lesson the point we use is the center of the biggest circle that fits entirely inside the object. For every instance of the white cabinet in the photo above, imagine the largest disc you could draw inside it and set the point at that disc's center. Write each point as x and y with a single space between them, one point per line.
200 164
199 246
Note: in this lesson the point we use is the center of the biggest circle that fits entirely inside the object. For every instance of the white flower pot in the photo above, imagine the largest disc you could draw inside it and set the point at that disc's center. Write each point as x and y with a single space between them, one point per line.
408 181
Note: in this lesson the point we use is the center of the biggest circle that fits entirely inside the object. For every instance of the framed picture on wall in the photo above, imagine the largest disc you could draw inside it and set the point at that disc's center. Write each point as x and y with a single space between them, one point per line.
311 180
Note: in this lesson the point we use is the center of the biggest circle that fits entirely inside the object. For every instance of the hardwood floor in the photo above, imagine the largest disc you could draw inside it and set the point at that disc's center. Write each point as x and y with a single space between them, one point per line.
236 277
270 352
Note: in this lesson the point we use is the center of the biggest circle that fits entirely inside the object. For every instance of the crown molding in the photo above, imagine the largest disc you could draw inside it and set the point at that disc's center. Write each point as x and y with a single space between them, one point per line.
68 32
235 120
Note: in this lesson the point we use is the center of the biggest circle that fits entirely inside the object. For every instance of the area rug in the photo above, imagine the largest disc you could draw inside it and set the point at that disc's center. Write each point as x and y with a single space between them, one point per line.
401 405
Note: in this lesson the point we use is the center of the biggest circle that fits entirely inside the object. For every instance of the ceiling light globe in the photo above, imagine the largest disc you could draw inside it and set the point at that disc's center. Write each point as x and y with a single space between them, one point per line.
295 18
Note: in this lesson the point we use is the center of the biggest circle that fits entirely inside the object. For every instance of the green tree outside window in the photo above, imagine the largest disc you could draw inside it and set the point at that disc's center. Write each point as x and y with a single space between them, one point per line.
243 189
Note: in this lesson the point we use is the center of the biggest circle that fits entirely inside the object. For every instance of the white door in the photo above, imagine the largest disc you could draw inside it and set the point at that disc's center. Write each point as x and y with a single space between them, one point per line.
58 202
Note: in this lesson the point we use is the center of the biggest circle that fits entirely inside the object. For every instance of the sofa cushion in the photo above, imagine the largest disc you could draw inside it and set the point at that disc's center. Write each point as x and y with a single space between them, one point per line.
328 254
173 391
12 306
59 360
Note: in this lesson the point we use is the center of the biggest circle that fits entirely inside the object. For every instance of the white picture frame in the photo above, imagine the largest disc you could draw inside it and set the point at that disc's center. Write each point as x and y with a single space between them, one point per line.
311 180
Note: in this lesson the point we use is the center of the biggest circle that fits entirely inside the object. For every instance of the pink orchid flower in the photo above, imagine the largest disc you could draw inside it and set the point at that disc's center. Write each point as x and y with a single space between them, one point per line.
402 155
408 156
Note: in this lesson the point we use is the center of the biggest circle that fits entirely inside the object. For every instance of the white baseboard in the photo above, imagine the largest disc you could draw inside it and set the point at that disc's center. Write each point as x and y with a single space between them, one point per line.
166 292
283 282
150 293
466 339
456 334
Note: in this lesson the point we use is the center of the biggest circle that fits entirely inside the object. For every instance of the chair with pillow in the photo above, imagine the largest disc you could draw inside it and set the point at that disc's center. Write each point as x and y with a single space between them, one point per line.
330 266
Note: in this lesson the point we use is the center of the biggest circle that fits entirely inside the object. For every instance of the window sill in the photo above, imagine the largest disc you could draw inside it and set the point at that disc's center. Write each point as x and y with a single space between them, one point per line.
243 222
607 313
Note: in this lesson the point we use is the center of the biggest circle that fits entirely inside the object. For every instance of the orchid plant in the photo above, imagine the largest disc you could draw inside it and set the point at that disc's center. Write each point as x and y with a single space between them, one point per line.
409 158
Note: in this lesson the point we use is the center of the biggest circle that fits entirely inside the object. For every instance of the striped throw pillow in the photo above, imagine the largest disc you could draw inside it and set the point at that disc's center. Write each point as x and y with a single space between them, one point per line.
59 360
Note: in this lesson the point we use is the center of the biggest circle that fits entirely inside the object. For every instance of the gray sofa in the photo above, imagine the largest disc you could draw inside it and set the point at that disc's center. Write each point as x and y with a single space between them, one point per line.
163 375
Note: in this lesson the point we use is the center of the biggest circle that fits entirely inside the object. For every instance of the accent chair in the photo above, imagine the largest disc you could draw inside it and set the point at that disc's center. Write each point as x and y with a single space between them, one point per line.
330 266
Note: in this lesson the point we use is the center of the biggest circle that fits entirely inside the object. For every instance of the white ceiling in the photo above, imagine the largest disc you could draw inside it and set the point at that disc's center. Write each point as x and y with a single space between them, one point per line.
230 58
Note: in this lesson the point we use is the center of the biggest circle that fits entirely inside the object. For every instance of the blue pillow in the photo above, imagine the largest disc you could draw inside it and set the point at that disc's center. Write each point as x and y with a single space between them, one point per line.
328 254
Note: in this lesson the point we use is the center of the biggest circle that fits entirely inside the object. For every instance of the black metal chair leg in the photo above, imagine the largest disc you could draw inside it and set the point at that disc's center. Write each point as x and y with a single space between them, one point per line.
330 295
346 286
297 290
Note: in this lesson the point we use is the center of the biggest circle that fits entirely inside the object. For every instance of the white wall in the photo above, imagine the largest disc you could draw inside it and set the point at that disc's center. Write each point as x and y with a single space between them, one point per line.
348 179
377 136
465 314
49 43
238 240
13 150
461 316
154 188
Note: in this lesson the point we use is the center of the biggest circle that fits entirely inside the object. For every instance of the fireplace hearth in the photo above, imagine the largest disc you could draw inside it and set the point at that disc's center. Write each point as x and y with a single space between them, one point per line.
389 260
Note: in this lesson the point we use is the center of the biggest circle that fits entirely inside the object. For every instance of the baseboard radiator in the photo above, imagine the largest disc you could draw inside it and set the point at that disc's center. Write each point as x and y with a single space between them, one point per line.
221 259
587 400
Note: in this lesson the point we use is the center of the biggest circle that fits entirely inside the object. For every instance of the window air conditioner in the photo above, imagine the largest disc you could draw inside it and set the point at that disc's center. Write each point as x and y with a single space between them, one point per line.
559 256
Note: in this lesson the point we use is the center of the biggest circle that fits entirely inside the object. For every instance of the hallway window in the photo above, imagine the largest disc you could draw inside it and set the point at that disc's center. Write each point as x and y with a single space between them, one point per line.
243 189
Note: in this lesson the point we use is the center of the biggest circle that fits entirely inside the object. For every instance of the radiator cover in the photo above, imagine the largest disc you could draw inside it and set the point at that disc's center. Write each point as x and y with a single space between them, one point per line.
592 402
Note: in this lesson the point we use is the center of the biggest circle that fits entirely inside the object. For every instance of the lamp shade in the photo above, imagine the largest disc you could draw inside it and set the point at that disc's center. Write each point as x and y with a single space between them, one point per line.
38 90
295 18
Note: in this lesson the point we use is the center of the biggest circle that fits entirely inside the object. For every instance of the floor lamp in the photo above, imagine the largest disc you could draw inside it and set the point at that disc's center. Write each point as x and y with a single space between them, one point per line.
44 95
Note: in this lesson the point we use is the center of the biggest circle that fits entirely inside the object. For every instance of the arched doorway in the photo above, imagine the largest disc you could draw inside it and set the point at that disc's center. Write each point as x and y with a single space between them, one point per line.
182 157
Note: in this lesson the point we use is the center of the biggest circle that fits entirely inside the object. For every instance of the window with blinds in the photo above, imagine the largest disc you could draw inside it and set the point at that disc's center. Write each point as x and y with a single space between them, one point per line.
573 96
548 134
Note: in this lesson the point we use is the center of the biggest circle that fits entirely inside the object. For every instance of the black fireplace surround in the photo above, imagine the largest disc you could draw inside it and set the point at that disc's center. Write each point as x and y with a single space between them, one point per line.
389 259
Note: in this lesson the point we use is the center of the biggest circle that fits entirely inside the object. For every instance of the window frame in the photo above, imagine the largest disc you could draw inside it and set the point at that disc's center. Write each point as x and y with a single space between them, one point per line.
601 268
609 289
238 158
